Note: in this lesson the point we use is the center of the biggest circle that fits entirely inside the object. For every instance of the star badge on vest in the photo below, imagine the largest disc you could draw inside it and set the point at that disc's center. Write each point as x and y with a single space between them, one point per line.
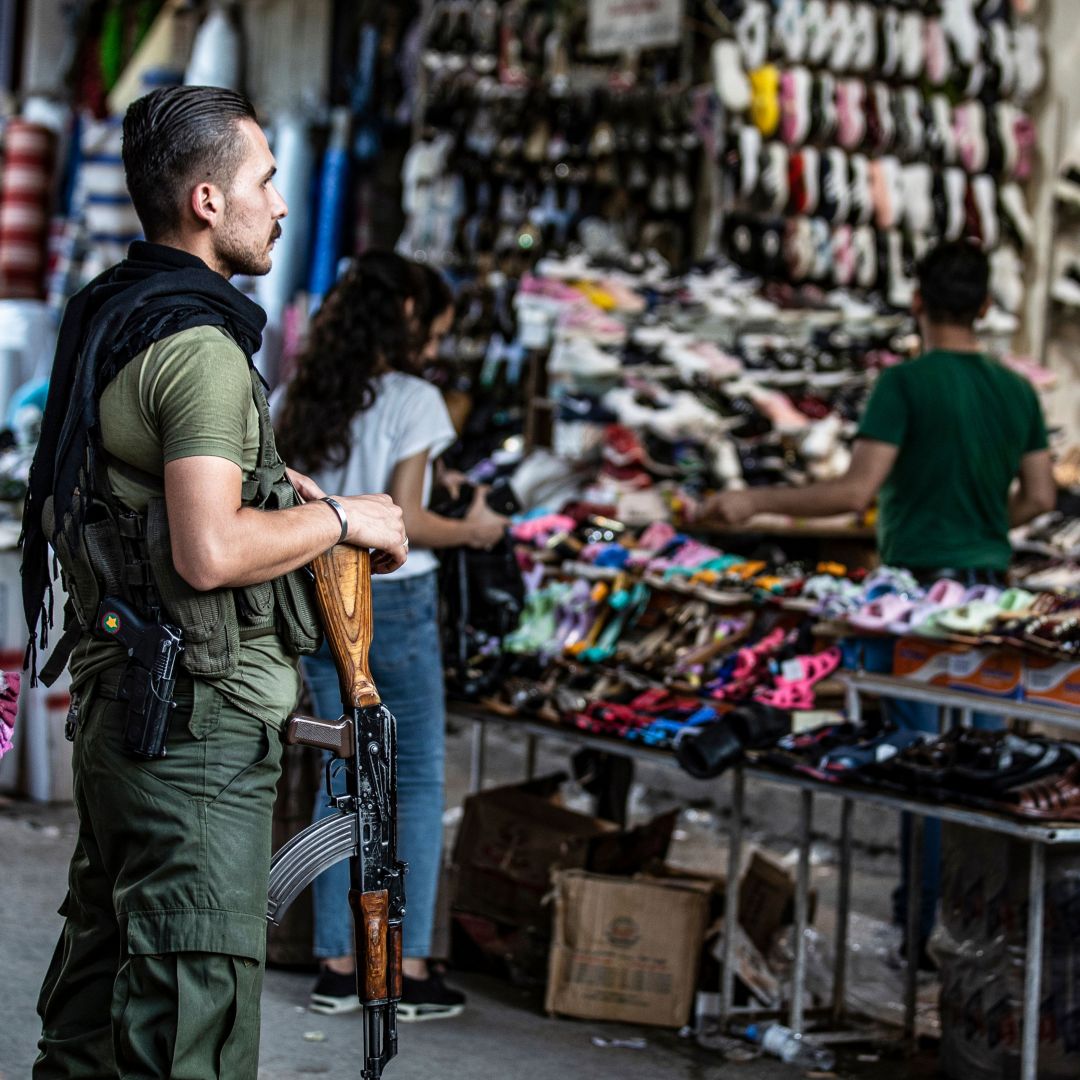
110 622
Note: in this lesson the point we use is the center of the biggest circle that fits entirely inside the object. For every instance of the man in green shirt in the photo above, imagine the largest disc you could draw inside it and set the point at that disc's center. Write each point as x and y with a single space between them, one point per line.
953 446
157 479
941 443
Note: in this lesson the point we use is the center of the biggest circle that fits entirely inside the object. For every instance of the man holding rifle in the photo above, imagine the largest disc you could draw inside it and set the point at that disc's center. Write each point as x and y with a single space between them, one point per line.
182 539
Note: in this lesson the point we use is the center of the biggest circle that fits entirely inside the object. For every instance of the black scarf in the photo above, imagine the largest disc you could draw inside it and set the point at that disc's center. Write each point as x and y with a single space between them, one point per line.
155 292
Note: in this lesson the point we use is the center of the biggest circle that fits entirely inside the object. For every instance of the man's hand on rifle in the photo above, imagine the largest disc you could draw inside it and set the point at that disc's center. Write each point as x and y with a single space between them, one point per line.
376 522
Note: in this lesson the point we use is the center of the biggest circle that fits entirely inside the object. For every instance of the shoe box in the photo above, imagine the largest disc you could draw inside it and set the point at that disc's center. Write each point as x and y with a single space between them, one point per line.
994 672
1052 682
1002 673
626 950
923 659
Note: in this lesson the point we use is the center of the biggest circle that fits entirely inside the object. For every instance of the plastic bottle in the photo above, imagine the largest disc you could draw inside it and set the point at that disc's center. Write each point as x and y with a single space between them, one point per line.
790 1047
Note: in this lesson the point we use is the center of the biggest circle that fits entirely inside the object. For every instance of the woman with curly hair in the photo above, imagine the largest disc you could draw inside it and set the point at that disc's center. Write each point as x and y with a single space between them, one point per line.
358 416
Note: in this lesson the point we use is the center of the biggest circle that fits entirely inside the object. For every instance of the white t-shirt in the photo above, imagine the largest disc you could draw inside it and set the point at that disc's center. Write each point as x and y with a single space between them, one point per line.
408 417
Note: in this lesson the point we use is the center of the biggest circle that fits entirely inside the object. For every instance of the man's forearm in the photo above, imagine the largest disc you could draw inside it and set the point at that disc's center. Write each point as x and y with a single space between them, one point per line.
816 500
260 545
1023 508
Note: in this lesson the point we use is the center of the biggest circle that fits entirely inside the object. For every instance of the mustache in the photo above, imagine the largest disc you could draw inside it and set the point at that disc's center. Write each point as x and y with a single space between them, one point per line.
276 232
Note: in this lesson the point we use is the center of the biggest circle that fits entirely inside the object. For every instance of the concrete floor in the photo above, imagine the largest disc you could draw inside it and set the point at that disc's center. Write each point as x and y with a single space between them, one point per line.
503 1033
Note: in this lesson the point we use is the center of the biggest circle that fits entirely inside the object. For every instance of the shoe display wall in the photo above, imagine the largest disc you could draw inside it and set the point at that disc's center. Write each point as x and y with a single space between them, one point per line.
927 103
524 136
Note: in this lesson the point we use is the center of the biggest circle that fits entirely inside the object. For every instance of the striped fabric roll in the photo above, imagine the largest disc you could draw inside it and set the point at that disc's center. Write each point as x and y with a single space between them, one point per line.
25 186
102 191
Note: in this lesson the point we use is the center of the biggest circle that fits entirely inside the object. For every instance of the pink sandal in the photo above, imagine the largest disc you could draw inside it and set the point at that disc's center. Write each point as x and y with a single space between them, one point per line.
799 693
747 670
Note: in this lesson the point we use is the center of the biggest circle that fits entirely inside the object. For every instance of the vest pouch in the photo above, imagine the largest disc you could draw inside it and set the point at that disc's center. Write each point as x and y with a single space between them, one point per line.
299 622
255 605
90 557
298 613
208 619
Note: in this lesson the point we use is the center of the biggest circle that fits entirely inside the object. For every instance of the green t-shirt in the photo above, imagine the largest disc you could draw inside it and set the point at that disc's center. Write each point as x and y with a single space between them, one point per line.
189 395
962 422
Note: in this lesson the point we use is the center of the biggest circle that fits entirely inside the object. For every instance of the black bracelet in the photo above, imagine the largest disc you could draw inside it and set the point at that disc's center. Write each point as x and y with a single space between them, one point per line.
340 511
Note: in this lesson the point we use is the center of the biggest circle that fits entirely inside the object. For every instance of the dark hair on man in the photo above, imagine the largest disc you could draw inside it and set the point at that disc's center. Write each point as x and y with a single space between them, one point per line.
175 137
954 280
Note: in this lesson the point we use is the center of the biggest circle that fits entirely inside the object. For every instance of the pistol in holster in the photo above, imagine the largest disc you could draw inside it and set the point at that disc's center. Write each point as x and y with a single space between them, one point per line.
149 681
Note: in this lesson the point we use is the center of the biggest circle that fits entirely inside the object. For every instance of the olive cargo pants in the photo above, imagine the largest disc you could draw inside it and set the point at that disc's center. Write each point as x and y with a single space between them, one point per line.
159 966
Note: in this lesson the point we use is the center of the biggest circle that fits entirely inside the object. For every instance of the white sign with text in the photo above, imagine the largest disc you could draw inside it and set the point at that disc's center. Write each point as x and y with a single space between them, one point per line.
620 26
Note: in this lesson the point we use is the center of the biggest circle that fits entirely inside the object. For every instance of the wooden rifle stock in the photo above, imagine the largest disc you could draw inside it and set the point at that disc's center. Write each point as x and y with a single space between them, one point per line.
343 588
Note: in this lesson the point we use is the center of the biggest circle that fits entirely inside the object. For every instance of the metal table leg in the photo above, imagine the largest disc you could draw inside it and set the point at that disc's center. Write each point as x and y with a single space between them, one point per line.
853 704
914 911
731 901
1029 1061
843 909
802 903
530 757
476 757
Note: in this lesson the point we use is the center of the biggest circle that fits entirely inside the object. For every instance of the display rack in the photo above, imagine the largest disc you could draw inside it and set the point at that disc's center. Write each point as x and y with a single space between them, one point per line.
1037 836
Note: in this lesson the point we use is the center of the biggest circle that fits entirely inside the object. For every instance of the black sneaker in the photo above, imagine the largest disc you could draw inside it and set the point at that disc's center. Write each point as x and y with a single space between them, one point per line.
429 999
334 993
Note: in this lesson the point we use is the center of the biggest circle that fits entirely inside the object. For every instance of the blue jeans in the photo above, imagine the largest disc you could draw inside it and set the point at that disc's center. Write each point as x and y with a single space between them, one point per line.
919 716
406 664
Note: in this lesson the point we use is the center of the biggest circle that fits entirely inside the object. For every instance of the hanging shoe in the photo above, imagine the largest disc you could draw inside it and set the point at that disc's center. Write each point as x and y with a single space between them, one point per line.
729 78
912 45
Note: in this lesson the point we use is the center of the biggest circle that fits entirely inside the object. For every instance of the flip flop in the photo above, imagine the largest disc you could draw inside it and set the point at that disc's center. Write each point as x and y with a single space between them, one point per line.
1016 600
924 619
944 593
879 615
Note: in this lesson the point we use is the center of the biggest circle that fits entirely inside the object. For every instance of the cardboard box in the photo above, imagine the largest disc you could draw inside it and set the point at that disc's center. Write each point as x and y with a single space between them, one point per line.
1052 682
923 659
512 838
625 950
752 972
994 672
767 900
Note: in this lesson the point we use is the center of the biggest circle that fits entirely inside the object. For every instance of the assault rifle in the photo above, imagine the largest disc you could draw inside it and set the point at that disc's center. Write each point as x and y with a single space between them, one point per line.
364 745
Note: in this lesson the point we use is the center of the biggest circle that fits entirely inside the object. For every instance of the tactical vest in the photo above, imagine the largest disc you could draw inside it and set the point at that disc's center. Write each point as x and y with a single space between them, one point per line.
107 549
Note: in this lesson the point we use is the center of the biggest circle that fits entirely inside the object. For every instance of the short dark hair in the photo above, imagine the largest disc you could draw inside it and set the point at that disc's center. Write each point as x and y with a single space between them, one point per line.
174 136
954 282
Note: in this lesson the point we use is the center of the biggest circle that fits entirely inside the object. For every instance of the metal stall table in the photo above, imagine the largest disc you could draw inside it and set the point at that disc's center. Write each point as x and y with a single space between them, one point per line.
1038 836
